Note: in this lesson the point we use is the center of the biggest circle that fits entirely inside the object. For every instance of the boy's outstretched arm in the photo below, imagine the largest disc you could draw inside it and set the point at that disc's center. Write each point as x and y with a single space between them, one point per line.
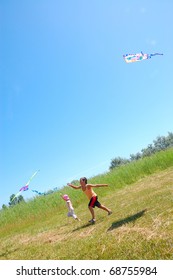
73 186
97 185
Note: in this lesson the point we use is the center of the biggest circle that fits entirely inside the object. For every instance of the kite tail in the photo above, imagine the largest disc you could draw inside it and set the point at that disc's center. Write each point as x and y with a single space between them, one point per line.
27 184
40 193
153 54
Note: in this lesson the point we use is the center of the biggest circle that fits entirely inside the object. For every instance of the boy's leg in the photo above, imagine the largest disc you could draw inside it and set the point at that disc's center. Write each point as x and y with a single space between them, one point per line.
106 209
91 206
92 212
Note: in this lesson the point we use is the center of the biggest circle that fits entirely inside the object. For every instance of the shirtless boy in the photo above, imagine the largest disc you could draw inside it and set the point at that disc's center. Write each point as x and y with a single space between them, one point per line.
92 196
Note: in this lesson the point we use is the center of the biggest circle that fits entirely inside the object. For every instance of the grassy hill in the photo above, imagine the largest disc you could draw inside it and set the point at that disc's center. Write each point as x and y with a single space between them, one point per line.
140 195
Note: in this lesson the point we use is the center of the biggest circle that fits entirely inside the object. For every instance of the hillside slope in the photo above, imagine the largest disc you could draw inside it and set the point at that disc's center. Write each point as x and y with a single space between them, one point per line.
141 226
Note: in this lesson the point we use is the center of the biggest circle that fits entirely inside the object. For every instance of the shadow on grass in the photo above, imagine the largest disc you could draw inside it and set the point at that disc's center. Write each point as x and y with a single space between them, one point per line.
127 220
84 226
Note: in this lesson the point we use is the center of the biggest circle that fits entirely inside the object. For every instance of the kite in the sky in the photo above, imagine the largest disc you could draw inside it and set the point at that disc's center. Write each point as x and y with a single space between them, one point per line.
26 187
129 58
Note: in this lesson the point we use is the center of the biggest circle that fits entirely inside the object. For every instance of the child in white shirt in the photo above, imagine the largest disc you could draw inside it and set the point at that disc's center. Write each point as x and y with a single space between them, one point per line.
71 212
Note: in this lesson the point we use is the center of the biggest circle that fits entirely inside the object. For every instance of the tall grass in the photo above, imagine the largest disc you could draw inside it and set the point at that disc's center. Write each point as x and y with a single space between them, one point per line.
135 170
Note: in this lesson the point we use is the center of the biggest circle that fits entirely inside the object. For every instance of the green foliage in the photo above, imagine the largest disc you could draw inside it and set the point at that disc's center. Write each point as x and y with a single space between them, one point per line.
4 206
161 143
15 200
118 161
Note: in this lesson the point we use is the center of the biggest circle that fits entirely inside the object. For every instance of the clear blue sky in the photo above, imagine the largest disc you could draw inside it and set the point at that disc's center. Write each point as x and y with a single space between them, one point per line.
69 103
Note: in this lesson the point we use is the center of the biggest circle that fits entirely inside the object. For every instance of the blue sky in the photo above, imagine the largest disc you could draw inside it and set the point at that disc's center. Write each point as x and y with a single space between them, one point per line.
69 103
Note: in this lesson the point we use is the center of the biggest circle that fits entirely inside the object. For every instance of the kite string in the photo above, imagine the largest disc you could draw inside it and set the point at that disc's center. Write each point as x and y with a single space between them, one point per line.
81 173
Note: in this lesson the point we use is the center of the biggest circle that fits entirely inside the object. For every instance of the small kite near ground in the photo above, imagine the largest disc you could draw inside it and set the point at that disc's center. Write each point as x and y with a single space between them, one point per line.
129 58
26 187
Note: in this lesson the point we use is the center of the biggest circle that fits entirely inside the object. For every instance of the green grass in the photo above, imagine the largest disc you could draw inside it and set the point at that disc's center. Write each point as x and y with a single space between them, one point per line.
140 195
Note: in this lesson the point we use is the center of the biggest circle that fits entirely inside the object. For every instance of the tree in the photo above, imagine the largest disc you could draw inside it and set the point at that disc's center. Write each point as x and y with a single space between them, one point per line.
118 161
16 200
161 143
148 151
135 156
4 207
169 139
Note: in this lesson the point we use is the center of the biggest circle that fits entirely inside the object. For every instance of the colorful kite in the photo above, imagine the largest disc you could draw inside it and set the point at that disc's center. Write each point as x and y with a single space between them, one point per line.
26 187
129 58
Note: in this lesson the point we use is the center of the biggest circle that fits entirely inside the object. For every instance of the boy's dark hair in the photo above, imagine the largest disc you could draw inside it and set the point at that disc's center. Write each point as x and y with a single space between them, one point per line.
84 179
